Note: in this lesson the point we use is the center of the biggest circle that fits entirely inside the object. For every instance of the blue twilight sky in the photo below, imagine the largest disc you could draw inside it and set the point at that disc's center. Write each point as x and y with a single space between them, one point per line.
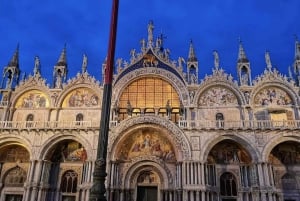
43 27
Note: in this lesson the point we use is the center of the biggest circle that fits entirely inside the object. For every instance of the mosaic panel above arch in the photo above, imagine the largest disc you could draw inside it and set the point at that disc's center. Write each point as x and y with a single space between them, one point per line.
33 99
287 153
228 152
272 96
81 97
14 153
217 96
146 142
67 151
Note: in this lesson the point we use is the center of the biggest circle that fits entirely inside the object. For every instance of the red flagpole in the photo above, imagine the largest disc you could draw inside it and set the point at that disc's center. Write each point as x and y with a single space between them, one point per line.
98 190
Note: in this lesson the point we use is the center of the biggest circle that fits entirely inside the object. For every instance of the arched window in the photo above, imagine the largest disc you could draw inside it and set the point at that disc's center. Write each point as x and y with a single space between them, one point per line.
15 177
79 117
30 117
29 120
69 182
244 76
220 120
146 95
228 185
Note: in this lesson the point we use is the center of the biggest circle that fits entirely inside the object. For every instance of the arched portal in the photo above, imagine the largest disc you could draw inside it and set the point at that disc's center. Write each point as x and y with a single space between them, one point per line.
64 163
229 169
14 164
145 165
285 161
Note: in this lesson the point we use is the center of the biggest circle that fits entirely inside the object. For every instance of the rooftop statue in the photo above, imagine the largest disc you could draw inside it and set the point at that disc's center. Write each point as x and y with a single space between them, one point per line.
216 61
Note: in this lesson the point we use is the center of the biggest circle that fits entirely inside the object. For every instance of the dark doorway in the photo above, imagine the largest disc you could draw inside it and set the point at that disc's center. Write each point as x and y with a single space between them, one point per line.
228 199
68 198
13 197
146 193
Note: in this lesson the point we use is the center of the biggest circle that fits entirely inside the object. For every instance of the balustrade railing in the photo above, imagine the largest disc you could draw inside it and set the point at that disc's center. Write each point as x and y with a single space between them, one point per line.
47 124
184 124
243 124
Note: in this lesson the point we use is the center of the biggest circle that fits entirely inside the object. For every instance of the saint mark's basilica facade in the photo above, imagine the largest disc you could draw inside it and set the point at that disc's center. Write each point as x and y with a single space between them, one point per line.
172 137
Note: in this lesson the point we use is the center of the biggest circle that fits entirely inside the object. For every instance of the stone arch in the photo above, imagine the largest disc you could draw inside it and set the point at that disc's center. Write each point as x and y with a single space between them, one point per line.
163 74
224 85
208 146
169 129
287 89
132 170
18 177
273 142
54 140
17 140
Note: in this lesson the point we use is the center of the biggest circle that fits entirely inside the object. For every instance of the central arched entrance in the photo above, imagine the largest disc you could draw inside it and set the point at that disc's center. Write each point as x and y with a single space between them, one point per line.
147 186
144 166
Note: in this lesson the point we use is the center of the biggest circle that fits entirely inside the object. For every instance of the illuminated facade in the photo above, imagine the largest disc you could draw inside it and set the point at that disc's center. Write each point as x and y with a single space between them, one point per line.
173 137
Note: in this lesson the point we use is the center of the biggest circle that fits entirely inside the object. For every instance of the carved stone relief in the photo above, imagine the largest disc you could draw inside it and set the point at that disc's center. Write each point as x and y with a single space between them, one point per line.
217 96
272 96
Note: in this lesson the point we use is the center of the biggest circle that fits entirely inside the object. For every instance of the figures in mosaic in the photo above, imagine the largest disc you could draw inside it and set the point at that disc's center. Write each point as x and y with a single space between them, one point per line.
83 98
286 153
272 96
147 144
34 100
228 152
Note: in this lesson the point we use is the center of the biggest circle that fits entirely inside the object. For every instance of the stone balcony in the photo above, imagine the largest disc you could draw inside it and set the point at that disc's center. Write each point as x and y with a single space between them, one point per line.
183 124
242 124
40 125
